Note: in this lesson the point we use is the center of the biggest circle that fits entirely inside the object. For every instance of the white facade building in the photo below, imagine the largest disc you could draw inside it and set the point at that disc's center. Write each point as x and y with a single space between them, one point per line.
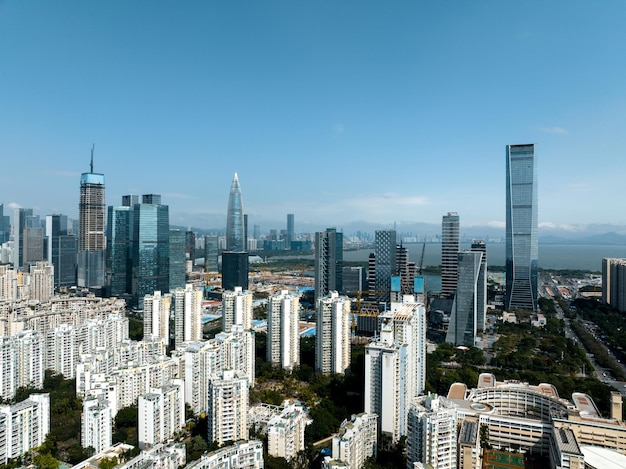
227 415
21 362
243 455
187 314
96 424
355 442
285 431
283 335
156 316
332 335
236 309
23 426
161 414
41 281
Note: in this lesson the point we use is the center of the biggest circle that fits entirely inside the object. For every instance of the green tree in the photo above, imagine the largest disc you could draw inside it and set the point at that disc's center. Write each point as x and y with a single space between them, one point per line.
45 461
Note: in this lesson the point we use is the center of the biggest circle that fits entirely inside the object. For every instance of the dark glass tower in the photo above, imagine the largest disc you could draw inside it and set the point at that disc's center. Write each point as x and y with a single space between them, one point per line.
291 236
235 229
178 242
61 250
522 247
5 226
91 238
328 262
385 263
119 248
450 245
234 270
463 321
151 248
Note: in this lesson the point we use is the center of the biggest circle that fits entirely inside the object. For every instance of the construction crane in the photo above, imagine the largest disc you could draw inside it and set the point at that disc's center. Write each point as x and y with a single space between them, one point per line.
364 310
421 264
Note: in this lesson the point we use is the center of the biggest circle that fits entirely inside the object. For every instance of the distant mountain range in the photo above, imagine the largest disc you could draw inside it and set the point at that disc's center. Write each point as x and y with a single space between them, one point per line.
548 233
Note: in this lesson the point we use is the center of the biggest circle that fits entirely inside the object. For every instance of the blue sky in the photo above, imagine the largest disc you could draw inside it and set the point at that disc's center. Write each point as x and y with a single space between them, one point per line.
335 111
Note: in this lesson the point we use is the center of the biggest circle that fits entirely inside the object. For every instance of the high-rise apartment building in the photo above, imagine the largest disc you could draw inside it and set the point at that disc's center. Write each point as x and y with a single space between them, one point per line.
450 246
385 263
91 237
150 254
235 230
354 443
24 425
187 314
177 259
522 246
21 362
227 414
481 285
328 262
236 309
41 281
156 316
464 318
283 335
161 414
614 283
96 424
285 431
332 334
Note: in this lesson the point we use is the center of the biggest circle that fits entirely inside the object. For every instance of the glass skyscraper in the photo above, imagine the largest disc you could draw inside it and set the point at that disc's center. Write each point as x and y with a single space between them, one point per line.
61 250
328 262
450 245
178 242
385 263
235 229
522 247
119 247
464 318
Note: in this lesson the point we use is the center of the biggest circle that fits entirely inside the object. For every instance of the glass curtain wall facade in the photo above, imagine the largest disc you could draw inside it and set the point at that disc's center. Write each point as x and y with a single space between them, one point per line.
384 263
235 230
118 253
328 262
91 238
450 246
178 241
522 247
464 321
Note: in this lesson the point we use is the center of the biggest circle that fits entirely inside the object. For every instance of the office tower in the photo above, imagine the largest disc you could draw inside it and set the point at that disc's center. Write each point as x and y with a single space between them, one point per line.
156 316
614 283
91 238
481 285
61 251
395 366
33 250
235 230
211 254
187 314
234 270
151 247
161 414
285 431
41 281
119 248
291 235
190 245
245 231
236 309
283 335
328 262
332 336
450 245
384 263
5 226
354 280
432 437
177 259
25 426
96 424
522 246
256 232
22 218
463 320
227 415
355 442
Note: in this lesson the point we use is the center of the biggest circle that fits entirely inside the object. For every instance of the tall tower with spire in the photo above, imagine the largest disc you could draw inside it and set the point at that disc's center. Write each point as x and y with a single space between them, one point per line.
91 238
235 229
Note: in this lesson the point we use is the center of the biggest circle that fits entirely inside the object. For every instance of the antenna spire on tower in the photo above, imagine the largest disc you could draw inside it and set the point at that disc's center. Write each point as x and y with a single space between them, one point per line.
93 145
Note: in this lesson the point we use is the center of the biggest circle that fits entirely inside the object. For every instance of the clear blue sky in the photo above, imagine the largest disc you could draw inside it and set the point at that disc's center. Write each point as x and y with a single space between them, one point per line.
332 110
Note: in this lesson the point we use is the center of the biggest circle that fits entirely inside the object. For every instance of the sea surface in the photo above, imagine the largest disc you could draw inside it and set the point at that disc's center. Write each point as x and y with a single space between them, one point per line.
551 256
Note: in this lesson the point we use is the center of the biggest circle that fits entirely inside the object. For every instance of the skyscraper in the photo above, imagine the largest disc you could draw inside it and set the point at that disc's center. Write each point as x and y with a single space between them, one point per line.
22 218
385 263
291 236
177 259
234 270
119 248
91 238
463 321
235 229
5 226
283 335
522 247
151 247
450 245
328 262
481 285
61 250
187 314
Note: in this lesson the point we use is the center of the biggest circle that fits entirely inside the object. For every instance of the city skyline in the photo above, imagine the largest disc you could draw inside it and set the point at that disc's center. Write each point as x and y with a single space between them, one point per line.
320 96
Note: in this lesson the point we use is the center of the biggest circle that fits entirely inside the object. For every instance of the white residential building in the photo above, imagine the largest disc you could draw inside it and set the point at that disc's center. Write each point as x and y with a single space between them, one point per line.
283 335
242 455
63 347
23 426
395 366
236 309
432 436
285 431
161 414
332 342
96 424
228 408
41 281
187 314
21 362
354 443
8 283
156 316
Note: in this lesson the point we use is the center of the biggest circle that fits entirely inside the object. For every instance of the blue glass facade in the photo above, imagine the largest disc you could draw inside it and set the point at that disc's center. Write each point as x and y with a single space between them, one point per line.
328 262
178 243
463 320
118 252
235 229
522 247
